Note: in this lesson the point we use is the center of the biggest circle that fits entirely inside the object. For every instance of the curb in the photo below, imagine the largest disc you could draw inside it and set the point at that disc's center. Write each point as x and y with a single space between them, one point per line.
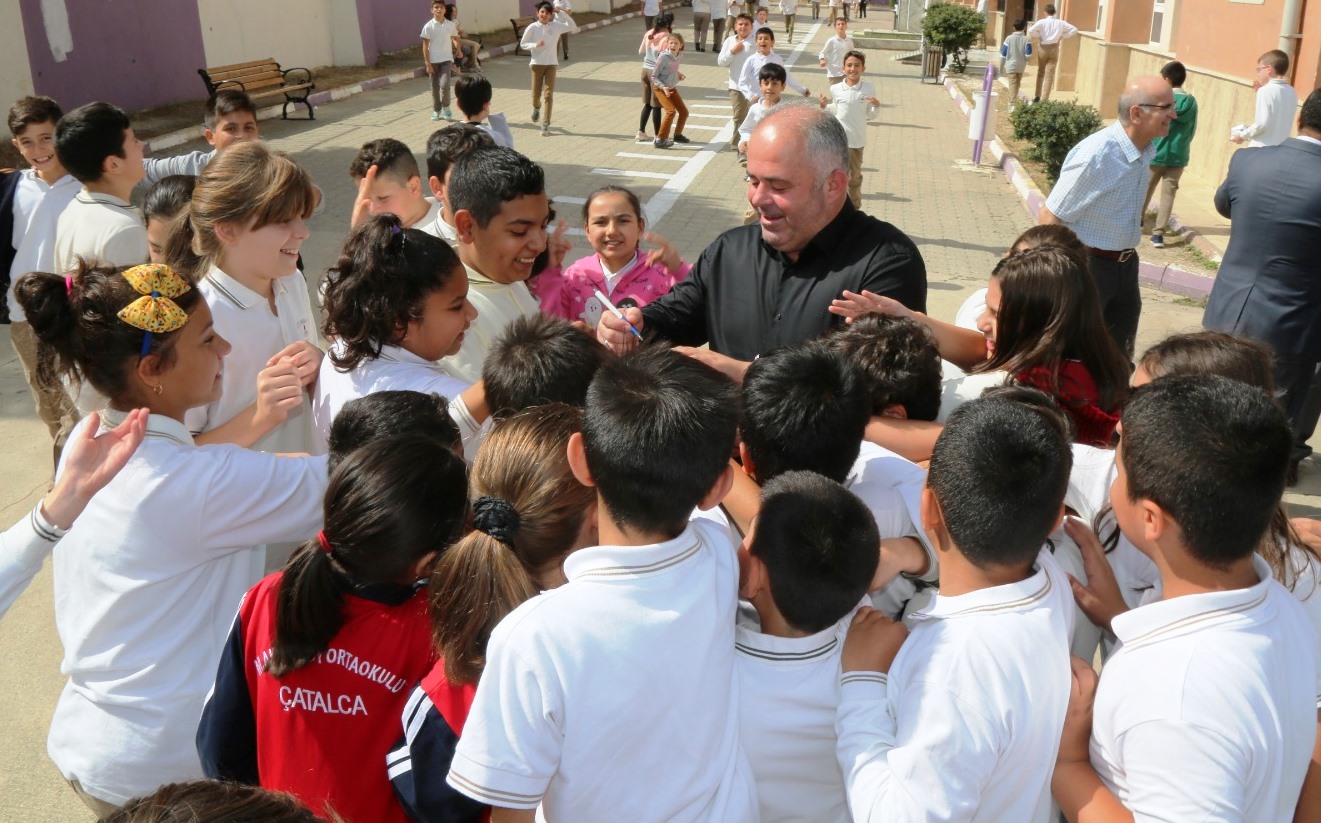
179 137
1163 276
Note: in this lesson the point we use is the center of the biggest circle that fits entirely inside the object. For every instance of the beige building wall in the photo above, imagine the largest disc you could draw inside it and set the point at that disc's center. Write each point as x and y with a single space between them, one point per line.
294 32
493 15
15 73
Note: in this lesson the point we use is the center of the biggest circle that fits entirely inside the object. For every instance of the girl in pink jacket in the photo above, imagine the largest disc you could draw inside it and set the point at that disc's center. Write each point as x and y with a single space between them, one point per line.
629 276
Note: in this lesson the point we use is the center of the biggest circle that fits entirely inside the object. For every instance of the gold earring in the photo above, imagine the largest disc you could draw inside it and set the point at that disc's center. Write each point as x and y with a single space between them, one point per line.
157 389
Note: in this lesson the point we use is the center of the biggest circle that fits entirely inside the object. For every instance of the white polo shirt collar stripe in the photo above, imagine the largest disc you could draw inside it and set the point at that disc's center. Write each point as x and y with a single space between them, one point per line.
398 354
608 561
786 649
494 796
159 427
1164 619
1010 597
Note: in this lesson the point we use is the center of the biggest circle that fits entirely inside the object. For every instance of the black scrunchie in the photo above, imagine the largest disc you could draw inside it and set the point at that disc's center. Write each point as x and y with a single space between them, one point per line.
495 517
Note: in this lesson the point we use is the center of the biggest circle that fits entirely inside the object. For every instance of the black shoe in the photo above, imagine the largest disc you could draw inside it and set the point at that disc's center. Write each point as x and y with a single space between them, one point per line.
679 138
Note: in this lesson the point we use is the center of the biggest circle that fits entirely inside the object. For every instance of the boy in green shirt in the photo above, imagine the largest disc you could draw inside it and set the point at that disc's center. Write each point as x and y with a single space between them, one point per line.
1172 151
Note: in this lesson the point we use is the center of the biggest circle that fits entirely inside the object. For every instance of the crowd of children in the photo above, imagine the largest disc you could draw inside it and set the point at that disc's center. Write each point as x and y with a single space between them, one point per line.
524 577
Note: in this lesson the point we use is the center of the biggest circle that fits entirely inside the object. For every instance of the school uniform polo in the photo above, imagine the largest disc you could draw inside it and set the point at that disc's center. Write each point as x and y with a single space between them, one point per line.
24 546
396 369
244 318
1208 709
789 689
434 224
497 305
99 228
36 213
147 582
751 86
891 488
833 52
966 725
613 696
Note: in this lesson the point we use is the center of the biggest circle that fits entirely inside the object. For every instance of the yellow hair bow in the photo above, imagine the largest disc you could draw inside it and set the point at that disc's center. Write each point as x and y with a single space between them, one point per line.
155 312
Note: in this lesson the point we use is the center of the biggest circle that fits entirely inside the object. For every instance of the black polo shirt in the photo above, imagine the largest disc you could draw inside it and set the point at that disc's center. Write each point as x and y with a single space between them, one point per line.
745 298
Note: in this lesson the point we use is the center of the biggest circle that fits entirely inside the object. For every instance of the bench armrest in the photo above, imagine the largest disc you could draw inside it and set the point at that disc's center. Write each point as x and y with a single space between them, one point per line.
300 75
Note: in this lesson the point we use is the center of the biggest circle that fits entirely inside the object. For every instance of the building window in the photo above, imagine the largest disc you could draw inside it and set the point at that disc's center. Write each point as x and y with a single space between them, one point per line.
1157 21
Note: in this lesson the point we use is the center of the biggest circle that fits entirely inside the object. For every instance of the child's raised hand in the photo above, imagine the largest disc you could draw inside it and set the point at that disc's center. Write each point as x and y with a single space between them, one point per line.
872 643
851 305
665 253
822 62
743 147
873 101
559 245
279 391
1077 734
305 357
1099 598
362 205
825 101
683 76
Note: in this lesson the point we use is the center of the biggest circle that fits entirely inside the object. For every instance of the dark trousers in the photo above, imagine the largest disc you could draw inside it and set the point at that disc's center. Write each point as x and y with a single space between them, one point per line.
1121 301
1298 387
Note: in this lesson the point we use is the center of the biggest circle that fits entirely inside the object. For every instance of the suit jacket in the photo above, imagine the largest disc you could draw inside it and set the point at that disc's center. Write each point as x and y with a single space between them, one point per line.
1269 284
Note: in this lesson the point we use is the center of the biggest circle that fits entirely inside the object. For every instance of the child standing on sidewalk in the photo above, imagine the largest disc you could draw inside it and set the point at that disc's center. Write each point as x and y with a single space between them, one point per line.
788 8
439 42
542 40
1015 50
853 102
666 79
1171 151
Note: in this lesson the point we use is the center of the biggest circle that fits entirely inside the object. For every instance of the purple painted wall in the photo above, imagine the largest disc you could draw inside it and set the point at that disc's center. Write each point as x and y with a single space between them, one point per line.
133 53
388 25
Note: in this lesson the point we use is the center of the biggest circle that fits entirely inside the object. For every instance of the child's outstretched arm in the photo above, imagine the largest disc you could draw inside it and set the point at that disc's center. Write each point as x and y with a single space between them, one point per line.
962 347
1078 790
279 391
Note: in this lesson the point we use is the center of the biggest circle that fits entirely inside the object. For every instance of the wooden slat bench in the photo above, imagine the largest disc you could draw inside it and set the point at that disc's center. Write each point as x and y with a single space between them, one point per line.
520 23
262 78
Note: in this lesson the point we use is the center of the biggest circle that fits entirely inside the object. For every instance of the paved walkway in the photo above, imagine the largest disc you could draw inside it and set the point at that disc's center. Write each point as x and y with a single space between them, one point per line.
962 220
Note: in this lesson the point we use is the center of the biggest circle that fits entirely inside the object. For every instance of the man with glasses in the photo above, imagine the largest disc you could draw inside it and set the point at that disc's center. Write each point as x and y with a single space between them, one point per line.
1100 196
1277 104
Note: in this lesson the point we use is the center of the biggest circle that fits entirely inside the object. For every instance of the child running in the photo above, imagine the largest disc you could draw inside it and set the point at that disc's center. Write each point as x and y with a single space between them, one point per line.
530 513
832 53
541 39
853 102
396 302
652 45
666 79
148 574
629 276
748 79
321 652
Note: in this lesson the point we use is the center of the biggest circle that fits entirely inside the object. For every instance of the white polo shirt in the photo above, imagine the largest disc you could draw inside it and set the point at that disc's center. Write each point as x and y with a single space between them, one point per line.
1208 709
734 62
244 318
434 224
967 724
397 369
102 228
497 305
613 696
833 52
37 209
788 694
147 582
958 387
440 48
852 107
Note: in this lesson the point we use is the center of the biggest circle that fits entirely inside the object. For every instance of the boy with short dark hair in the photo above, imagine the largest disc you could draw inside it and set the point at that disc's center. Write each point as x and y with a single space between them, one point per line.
500 216
1208 708
899 363
444 147
1172 151
853 102
1015 51
540 359
230 117
541 38
962 720
833 50
613 697
806 564
749 80
770 83
97 145
389 182
473 93
391 413
31 202
440 41
805 408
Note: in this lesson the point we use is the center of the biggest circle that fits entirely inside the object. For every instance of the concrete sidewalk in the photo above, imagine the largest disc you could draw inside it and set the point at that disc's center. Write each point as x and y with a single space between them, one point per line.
962 220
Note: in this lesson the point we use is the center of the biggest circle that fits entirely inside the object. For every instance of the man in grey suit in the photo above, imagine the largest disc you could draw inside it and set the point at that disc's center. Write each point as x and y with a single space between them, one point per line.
1269 284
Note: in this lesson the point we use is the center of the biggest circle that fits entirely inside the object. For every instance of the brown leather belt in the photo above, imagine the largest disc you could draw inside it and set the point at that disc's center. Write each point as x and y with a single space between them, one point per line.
1122 255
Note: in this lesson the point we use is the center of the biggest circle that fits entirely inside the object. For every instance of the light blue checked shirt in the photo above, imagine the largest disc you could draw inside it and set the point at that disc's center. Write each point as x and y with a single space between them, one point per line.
1100 190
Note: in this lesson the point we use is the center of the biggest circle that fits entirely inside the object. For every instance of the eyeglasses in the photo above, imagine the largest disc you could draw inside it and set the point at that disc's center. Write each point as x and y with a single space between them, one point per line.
1161 106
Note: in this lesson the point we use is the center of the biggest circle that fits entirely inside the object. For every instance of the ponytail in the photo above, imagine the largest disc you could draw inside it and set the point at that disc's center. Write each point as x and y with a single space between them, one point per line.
178 252
386 509
379 284
528 513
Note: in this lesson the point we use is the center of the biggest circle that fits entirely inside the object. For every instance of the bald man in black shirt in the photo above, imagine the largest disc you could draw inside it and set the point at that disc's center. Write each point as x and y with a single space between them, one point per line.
770 284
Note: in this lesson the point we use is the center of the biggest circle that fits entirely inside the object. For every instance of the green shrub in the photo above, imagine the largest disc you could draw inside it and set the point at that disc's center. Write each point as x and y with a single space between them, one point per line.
1053 128
954 29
